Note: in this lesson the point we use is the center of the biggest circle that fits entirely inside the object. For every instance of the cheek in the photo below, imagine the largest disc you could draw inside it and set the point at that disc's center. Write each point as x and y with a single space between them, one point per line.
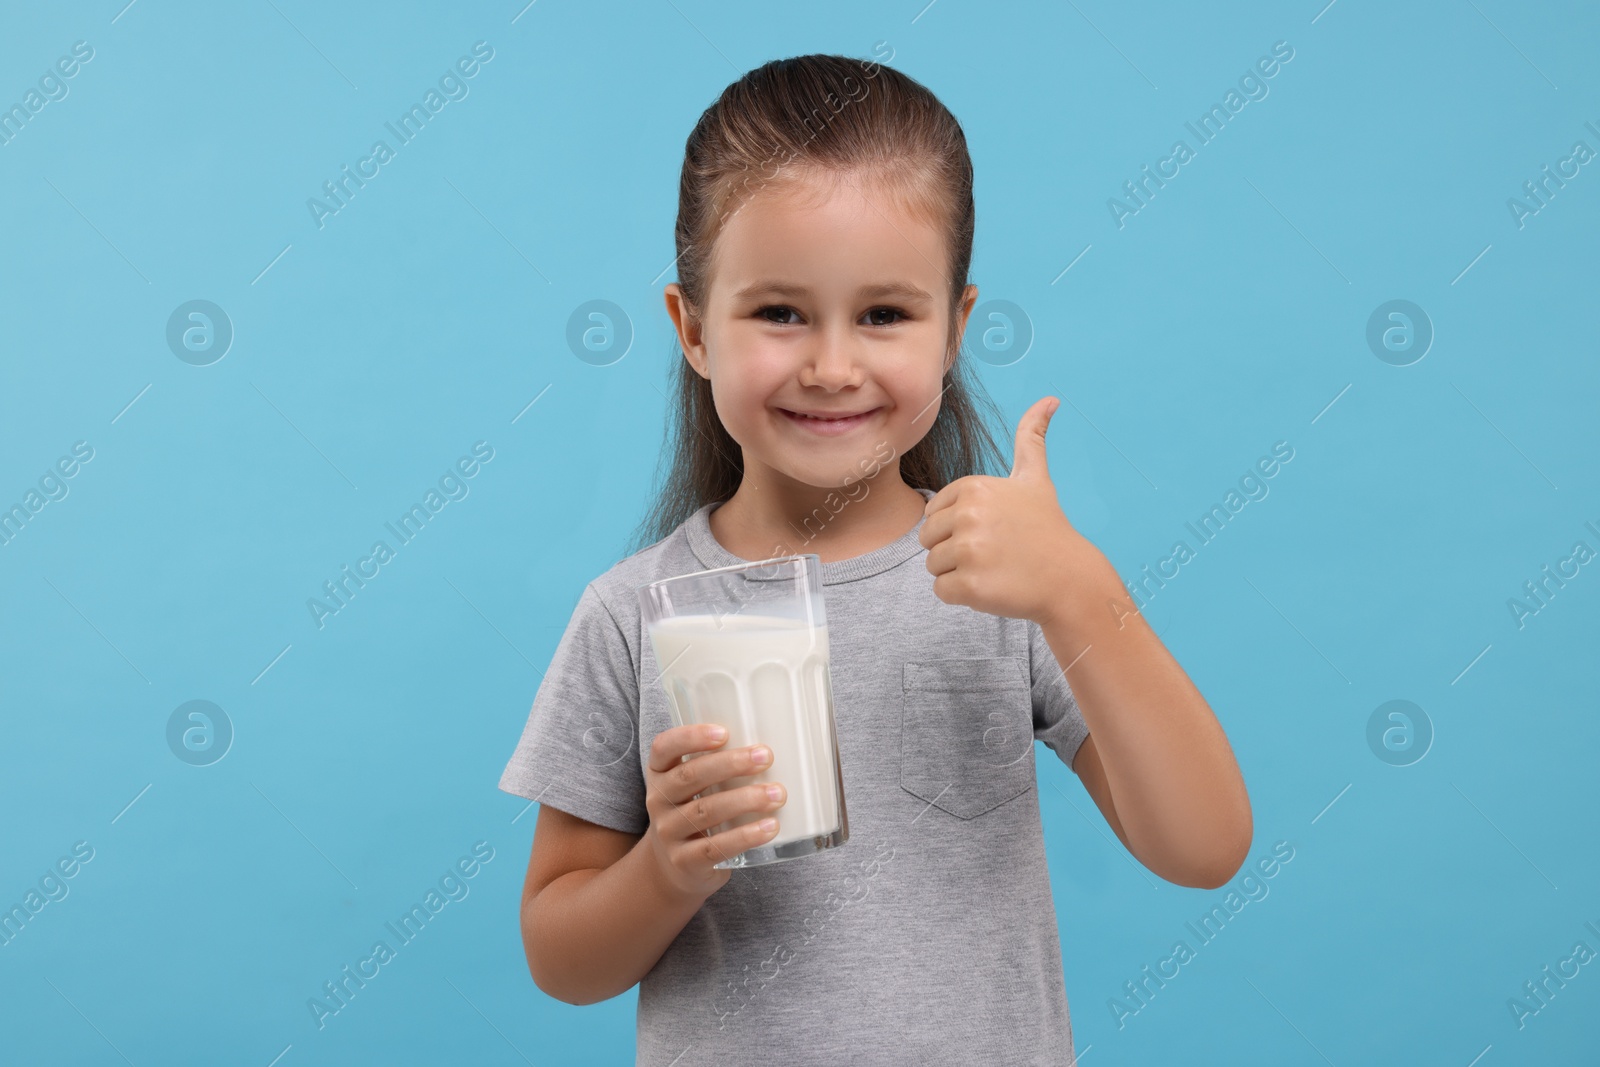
740 391
729 412
914 381
916 393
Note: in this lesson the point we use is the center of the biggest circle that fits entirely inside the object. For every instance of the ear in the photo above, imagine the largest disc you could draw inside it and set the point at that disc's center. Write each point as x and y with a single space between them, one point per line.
688 326
969 298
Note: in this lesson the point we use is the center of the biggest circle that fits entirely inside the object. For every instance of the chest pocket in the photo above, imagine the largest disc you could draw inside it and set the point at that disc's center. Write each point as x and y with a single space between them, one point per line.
966 733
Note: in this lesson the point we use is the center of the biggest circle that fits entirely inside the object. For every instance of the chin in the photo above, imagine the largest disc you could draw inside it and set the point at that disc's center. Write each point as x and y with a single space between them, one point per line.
815 480
819 479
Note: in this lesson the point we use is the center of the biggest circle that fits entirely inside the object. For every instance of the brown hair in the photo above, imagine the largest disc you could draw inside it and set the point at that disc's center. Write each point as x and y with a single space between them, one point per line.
822 114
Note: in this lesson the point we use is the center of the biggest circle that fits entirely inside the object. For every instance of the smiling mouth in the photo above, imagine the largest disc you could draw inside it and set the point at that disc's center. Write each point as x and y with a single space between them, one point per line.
826 424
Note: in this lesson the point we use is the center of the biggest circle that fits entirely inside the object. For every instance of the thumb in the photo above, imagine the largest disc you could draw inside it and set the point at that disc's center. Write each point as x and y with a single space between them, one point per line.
1028 461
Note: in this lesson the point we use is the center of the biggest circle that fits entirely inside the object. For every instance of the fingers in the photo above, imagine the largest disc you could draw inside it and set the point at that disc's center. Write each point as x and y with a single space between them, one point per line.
682 795
942 499
719 847
941 558
699 816
670 746
1029 459
689 800
936 536
693 776
936 527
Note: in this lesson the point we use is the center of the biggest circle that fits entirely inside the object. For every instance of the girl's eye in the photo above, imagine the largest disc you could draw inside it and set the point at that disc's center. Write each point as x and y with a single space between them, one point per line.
778 309
770 311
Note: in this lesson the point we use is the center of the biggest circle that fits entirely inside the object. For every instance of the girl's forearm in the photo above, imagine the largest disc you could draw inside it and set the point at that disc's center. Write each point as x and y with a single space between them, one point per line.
592 934
1173 779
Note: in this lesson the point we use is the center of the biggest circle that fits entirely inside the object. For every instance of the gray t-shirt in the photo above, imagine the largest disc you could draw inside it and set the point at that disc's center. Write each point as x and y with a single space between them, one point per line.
930 936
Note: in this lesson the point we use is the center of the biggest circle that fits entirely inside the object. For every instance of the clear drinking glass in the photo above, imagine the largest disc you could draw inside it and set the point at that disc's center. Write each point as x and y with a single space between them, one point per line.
746 647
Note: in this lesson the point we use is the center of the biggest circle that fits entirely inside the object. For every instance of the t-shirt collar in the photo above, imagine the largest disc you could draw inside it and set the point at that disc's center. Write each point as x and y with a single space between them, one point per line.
709 551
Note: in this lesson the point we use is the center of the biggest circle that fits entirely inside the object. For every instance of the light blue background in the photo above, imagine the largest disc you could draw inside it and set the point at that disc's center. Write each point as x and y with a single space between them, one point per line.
1227 315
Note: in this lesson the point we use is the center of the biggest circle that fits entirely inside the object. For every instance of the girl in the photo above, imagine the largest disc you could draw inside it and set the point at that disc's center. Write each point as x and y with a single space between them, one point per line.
824 233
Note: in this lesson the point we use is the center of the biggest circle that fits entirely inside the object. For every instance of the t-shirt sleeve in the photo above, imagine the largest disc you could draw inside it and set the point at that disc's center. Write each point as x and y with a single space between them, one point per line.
1056 718
579 751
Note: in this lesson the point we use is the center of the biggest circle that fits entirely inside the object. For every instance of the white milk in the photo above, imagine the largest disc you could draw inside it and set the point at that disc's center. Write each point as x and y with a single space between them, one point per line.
765 679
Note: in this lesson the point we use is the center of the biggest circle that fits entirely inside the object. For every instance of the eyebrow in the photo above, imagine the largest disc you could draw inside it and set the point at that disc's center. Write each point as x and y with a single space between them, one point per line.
902 290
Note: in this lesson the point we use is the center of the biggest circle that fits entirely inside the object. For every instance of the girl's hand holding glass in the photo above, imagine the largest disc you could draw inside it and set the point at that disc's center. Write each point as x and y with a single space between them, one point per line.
679 817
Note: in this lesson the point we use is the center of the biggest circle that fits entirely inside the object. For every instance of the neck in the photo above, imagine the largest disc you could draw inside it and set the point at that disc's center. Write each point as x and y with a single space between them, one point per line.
778 516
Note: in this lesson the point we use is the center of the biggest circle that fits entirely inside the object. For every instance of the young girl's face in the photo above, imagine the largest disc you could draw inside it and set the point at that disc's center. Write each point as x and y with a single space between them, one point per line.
827 298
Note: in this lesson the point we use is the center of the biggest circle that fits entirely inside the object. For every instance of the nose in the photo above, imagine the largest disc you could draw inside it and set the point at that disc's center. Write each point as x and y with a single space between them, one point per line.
831 361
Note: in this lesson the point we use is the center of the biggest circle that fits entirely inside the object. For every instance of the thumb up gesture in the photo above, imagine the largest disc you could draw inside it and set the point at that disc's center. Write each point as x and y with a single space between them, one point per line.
1003 545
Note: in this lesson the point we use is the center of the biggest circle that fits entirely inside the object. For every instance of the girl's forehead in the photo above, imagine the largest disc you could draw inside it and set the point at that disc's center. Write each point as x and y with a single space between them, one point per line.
826 226
802 187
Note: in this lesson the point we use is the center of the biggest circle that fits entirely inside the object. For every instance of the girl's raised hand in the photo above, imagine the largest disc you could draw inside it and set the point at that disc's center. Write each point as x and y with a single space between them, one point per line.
1003 545
679 819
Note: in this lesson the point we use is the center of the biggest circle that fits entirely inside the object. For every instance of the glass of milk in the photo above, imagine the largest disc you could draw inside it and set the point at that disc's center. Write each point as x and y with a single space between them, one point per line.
746 647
